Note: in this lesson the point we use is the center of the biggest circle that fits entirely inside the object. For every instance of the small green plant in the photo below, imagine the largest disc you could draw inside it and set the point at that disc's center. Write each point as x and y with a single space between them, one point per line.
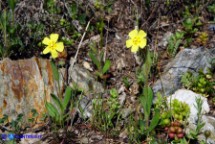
104 6
161 103
9 39
51 6
211 9
143 126
185 36
165 118
4 119
174 43
147 124
57 110
15 128
199 124
126 82
106 113
200 83
97 59
16 124
180 110
189 25
202 38
34 115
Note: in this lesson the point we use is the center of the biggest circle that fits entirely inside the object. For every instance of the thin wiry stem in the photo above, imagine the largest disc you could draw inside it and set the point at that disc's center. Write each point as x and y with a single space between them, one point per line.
79 46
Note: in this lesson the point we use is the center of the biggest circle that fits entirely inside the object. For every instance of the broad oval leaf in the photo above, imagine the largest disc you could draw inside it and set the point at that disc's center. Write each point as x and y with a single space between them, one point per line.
58 102
67 97
106 66
52 111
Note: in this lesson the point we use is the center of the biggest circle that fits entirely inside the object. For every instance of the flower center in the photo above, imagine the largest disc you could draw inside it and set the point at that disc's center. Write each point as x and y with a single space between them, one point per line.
136 40
52 45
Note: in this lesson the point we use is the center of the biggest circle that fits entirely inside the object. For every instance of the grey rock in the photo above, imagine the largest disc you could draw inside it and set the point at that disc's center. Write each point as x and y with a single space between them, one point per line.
186 60
85 107
83 80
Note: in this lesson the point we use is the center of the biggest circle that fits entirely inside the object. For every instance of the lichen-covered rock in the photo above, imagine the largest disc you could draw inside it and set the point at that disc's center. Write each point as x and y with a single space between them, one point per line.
25 85
186 60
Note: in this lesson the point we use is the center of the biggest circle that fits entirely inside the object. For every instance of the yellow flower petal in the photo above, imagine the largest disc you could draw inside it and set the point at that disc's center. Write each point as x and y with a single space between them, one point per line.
134 48
54 37
133 33
46 41
142 34
54 54
46 50
129 43
142 43
59 46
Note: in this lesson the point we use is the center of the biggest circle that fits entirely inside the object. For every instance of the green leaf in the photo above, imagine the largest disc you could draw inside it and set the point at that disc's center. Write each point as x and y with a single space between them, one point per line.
113 93
56 75
142 125
155 120
34 112
146 68
179 35
146 100
95 60
53 112
12 4
73 11
106 66
67 97
58 102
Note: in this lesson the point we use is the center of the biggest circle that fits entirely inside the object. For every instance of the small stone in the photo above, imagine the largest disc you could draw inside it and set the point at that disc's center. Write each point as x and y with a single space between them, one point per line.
84 140
124 134
126 112
122 98
87 66
134 89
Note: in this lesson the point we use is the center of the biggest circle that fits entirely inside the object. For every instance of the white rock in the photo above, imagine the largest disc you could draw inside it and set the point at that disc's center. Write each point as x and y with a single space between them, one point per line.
209 126
189 97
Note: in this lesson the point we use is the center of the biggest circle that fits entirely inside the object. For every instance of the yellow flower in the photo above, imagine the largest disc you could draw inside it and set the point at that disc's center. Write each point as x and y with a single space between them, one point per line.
53 46
137 39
